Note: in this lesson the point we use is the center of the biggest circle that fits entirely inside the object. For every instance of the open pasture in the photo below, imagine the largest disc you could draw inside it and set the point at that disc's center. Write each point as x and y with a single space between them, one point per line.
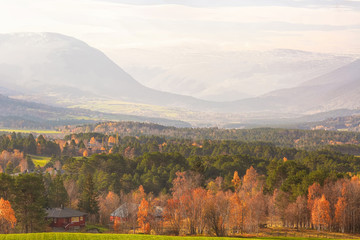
40 160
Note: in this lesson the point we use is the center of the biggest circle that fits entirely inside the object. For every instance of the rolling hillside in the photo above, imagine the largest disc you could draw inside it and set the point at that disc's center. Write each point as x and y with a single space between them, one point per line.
339 89
24 114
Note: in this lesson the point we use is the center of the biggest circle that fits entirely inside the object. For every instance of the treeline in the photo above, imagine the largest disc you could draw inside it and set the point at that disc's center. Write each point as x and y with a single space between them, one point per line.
28 144
308 139
156 170
15 150
193 209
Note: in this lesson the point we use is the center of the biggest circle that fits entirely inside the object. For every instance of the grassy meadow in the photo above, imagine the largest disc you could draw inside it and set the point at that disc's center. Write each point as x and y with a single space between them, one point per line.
79 236
9 130
40 160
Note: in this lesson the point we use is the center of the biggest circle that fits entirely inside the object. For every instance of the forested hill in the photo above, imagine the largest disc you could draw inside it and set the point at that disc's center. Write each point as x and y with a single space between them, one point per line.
308 139
346 123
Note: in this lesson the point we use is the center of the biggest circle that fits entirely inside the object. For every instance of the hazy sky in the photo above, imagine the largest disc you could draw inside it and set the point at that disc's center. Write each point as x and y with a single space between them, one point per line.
144 36
314 25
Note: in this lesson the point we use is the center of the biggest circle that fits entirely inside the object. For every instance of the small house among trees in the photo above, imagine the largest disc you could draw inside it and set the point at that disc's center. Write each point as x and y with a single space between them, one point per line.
66 218
130 216
124 212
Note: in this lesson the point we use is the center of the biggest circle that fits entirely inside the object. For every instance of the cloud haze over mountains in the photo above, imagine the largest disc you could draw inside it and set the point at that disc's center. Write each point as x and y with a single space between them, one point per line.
58 69
180 42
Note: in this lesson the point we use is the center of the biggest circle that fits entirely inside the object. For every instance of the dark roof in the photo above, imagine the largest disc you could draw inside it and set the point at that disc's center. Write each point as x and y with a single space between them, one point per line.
63 213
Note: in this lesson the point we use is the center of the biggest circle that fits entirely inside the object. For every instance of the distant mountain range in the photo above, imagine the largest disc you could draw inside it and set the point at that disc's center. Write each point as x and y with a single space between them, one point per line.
338 89
57 68
220 75
62 71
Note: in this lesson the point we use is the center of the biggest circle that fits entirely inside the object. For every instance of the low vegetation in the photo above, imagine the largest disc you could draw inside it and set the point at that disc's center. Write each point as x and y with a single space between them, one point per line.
80 236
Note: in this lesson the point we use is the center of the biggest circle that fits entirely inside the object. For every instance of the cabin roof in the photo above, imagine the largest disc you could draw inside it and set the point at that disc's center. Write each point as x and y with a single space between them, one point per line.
125 210
63 213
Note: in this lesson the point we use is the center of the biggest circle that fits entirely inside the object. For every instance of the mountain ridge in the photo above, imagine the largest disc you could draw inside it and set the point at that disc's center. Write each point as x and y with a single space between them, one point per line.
69 62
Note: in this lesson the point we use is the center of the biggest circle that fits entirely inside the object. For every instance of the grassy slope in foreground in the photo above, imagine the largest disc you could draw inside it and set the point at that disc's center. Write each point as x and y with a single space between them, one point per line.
78 236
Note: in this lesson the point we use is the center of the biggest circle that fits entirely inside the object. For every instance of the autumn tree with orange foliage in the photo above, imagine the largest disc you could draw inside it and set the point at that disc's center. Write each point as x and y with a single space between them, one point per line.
340 213
142 216
184 191
173 216
296 213
351 211
217 210
314 192
198 199
254 206
107 205
7 216
236 218
117 224
320 214
138 195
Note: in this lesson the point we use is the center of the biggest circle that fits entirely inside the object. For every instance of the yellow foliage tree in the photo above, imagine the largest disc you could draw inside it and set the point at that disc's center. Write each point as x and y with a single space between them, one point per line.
85 153
111 140
236 180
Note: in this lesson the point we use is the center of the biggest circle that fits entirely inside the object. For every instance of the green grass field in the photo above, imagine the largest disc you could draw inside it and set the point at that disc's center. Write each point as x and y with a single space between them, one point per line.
79 236
8 130
39 160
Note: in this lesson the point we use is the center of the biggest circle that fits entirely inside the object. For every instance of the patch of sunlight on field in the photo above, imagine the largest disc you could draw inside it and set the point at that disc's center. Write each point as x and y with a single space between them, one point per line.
120 107
40 160
28 131
78 236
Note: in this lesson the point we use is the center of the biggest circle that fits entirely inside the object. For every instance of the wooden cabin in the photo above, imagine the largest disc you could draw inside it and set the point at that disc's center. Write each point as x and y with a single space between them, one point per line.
66 218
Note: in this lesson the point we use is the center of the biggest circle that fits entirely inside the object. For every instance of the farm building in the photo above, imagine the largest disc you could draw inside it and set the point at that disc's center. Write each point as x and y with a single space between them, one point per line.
125 217
124 212
66 218
128 210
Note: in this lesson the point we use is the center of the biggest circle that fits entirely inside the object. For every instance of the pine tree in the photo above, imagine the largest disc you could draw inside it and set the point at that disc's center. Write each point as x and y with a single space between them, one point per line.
6 186
29 202
88 199
57 193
